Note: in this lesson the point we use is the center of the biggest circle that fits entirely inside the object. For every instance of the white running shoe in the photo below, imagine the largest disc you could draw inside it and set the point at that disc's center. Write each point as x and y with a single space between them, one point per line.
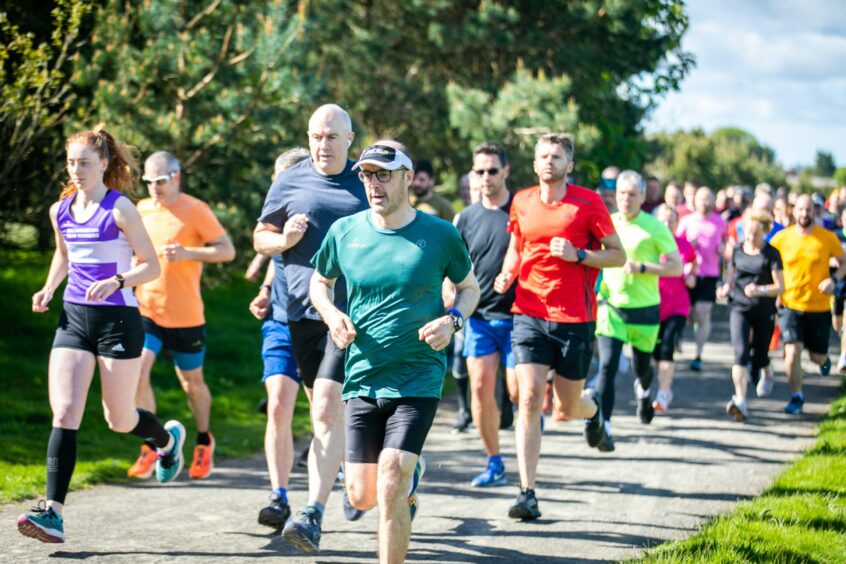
841 364
737 409
765 382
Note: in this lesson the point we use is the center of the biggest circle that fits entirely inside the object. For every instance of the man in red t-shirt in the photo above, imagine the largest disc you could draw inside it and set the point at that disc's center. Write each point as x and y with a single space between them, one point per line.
561 235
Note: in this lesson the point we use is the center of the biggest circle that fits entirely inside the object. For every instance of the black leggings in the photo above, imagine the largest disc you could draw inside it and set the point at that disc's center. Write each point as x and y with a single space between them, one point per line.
610 350
751 332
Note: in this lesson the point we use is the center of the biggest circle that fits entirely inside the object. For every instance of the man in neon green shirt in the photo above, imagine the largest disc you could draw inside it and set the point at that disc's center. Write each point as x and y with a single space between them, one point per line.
629 298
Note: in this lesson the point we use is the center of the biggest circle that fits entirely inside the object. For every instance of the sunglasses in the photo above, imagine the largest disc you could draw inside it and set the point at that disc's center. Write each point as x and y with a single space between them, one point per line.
158 180
381 175
490 171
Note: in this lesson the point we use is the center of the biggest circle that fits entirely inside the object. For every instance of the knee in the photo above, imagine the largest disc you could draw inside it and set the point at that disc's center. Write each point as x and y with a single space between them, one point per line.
66 417
325 413
277 412
121 423
393 482
530 402
360 496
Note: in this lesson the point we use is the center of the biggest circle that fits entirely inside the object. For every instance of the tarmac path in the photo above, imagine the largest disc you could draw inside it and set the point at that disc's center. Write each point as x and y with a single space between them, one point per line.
663 481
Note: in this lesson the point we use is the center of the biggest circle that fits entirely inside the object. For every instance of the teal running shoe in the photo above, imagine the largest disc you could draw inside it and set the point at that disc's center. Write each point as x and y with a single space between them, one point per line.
303 531
413 500
170 463
43 524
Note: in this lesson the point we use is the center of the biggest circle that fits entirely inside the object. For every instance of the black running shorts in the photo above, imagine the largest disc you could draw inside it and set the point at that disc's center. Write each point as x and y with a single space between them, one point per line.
668 336
810 328
107 331
376 424
566 347
316 354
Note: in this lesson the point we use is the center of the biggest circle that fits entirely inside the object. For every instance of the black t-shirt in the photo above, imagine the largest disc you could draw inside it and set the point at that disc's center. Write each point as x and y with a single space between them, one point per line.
485 232
325 199
753 269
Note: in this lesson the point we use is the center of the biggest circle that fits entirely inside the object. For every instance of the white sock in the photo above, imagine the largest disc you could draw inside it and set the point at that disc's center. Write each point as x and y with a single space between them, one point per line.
608 426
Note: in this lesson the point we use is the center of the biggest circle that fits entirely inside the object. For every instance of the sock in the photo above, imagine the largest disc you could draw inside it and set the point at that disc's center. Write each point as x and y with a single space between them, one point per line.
462 384
203 439
282 493
318 507
495 460
608 426
61 459
799 395
149 427
150 444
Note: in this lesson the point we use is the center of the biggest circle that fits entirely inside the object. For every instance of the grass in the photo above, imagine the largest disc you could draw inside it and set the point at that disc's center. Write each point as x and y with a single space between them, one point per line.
800 518
233 373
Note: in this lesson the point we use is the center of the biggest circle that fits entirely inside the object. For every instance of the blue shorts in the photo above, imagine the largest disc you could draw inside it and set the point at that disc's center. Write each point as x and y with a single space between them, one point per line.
187 345
277 352
482 338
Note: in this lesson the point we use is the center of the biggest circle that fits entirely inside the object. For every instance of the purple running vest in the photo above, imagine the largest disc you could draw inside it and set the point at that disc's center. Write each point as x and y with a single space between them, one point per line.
97 250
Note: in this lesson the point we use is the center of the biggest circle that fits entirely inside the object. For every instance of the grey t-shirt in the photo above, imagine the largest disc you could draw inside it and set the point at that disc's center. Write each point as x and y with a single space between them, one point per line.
324 199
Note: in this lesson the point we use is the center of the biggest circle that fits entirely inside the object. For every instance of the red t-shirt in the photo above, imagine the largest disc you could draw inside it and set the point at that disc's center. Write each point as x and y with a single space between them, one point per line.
548 287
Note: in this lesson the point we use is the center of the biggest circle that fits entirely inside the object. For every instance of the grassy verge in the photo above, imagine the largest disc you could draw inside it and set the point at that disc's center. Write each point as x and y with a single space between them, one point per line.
233 373
800 518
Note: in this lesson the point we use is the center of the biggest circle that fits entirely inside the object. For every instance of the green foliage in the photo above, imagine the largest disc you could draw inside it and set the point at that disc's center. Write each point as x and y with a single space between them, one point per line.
840 177
727 156
824 164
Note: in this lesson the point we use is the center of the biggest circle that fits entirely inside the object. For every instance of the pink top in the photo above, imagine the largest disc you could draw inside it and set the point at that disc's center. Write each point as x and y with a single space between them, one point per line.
675 299
705 234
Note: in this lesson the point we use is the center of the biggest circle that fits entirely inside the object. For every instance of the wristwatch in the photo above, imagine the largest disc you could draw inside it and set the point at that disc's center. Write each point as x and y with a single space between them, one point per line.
642 267
120 280
265 287
457 319
580 255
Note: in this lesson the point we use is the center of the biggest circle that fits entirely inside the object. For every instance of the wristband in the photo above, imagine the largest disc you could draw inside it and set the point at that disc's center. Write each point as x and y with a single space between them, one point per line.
265 287
120 280
457 319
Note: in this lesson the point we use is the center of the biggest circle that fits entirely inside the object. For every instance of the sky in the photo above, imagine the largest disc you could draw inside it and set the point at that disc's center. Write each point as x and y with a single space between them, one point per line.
776 68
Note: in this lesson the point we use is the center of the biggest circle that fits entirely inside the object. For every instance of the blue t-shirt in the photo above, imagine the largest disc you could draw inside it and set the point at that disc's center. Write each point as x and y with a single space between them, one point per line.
325 199
278 310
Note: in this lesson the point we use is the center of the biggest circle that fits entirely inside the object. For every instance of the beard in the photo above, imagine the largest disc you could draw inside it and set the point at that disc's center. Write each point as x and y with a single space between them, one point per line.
805 221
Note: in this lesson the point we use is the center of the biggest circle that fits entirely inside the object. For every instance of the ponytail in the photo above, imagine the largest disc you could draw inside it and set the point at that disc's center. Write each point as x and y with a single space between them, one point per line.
122 169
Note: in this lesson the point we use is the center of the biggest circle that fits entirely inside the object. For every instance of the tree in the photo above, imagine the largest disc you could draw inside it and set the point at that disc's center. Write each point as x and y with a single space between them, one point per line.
840 176
824 164
726 157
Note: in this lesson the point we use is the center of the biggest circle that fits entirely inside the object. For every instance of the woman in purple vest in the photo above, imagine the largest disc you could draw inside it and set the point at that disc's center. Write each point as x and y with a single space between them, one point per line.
97 230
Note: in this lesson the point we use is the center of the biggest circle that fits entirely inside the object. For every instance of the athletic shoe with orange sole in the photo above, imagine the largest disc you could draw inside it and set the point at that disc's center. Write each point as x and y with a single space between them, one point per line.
203 463
145 465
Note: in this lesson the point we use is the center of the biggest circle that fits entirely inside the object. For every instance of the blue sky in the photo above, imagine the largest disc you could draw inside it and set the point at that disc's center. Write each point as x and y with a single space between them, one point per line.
774 68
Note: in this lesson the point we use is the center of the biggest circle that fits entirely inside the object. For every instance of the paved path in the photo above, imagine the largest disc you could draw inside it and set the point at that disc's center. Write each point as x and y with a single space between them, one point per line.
661 483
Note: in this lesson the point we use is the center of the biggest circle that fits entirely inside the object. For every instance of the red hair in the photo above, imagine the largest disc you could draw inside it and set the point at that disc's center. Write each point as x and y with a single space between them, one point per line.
122 169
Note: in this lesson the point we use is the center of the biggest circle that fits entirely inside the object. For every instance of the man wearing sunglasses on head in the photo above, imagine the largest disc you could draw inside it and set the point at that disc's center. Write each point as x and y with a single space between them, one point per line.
186 234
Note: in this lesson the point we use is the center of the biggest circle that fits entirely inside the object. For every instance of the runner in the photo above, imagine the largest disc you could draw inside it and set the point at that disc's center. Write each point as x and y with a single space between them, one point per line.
840 298
674 309
186 234
629 298
554 254
301 205
706 231
608 187
805 317
487 340
423 196
97 230
280 377
754 281
396 335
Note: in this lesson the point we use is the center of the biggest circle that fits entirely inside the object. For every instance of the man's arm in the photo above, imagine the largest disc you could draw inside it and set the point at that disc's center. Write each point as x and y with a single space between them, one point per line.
438 332
219 250
610 255
270 240
673 266
510 267
321 293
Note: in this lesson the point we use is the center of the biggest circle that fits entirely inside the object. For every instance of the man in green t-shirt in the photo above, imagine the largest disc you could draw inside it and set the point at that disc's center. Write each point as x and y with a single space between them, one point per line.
394 259
629 298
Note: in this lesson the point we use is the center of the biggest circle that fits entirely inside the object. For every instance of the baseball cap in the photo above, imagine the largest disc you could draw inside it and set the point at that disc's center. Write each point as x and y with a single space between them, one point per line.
385 157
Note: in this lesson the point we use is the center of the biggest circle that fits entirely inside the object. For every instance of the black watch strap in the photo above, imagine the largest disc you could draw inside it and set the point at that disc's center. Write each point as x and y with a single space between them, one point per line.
121 280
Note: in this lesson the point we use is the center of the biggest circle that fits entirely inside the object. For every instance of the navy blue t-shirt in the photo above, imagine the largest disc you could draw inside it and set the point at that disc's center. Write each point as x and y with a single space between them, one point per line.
278 310
324 199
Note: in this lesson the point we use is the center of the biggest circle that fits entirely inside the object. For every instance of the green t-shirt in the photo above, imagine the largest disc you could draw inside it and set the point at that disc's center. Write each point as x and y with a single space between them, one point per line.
645 239
394 281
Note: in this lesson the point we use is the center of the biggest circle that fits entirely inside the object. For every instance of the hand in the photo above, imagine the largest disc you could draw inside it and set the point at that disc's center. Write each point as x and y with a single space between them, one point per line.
751 291
341 329
631 267
101 289
563 249
723 291
174 252
259 305
295 228
690 281
502 283
826 286
437 333
40 299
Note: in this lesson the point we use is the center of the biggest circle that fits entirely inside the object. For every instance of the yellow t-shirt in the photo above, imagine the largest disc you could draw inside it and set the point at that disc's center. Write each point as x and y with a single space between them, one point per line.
806 259
173 300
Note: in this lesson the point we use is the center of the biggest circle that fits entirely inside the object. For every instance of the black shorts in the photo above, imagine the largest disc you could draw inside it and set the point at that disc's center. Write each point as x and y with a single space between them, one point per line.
316 354
566 347
107 331
190 340
376 424
668 337
810 328
705 289
838 306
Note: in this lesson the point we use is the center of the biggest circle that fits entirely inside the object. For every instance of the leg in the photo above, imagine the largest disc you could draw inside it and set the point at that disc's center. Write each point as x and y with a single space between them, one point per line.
483 372
530 383
119 380
278 439
394 479
793 366
361 484
199 396
144 396
666 371
609 359
327 446
702 314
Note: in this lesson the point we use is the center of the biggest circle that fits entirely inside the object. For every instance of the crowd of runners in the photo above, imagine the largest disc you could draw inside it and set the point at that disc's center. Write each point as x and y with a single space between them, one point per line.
375 281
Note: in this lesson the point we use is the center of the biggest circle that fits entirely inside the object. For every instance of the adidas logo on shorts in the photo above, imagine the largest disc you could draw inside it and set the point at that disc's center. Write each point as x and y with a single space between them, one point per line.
118 348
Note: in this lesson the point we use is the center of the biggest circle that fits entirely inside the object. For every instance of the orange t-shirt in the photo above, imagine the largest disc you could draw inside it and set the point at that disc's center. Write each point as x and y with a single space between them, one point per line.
548 287
806 259
173 300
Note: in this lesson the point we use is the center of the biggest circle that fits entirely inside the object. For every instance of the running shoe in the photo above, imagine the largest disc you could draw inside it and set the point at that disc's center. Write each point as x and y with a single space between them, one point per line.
303 531
645 411
841 364
42 523
526 506
825 367
493 475
594 428
463 423
413 505
350 512
413 499
737 409
203 462
662 401
606 444
794 406
144 465
765 382
276 514
170 463
696 364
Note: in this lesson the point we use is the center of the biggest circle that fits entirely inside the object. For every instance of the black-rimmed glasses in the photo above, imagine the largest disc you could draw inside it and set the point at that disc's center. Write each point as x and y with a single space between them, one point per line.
381 175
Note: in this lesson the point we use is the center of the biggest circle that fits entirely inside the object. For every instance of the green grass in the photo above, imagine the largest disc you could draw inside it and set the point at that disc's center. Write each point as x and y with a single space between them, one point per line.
800 518
233 373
